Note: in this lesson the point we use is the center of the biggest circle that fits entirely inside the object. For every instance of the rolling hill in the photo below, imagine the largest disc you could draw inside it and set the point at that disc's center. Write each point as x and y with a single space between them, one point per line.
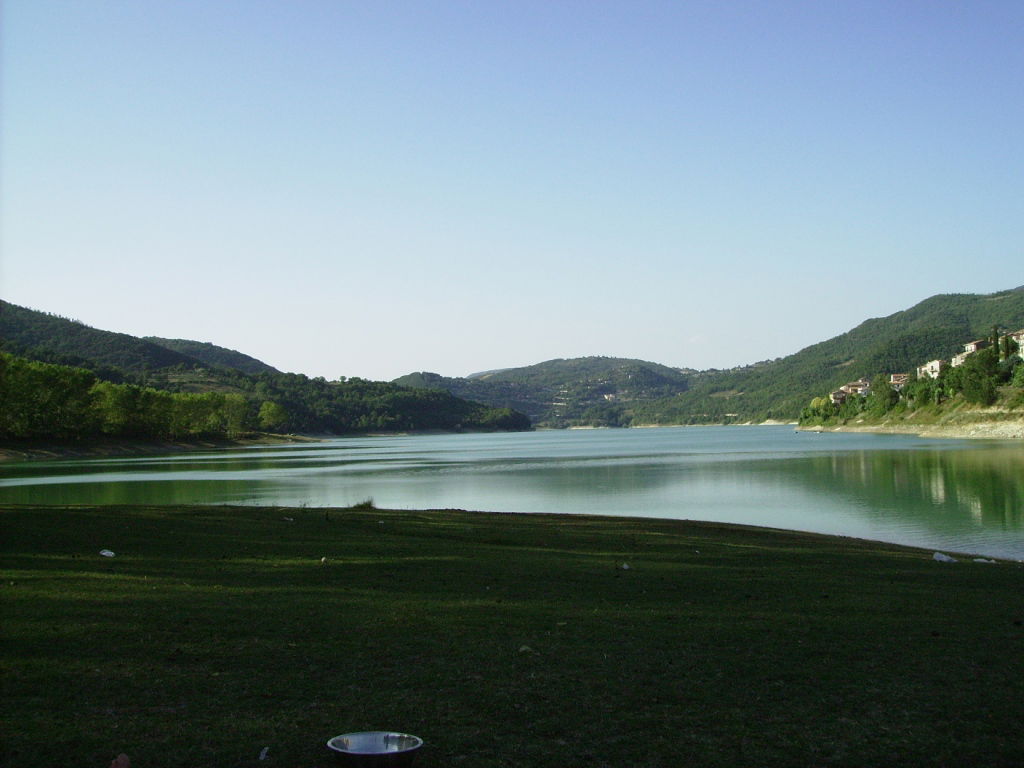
560 393
55 339
43 355
587 391
936 327
211 354
617 392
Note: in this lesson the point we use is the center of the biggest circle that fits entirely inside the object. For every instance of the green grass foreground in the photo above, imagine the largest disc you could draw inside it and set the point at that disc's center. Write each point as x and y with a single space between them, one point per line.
502 640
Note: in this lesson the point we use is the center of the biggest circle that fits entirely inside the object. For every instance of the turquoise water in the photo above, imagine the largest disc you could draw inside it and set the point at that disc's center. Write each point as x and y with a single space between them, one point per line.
960 496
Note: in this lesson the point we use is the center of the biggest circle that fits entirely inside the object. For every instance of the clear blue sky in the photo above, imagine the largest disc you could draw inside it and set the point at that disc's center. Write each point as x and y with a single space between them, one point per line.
373 188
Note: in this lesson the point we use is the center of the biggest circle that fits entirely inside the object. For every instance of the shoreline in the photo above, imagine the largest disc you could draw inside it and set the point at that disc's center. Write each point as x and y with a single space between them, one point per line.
54 449
42 450
999 430
104 448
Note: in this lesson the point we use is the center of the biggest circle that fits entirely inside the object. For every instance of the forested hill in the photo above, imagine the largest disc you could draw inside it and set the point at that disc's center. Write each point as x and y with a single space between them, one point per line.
937 327
54 339
211 354
47 402
61 379
559 393
598 391
601 391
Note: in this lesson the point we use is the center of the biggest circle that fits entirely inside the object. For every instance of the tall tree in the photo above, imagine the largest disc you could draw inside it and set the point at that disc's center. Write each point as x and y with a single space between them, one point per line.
272 415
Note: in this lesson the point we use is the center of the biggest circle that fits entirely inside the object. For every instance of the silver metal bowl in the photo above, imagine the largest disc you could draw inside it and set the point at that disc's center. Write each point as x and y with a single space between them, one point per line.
375 749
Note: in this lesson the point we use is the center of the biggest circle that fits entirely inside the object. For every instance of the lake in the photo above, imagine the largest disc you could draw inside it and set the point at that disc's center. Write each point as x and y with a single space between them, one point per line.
959 496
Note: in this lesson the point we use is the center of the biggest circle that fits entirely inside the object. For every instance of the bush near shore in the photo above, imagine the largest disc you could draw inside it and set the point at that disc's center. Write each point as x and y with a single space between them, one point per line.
502 640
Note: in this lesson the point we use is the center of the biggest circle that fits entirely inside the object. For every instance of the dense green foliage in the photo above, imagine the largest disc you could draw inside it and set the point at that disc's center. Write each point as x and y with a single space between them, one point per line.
359 405
175 388
54 339
502 640
43 401
585 391
211 354
112 356
46 401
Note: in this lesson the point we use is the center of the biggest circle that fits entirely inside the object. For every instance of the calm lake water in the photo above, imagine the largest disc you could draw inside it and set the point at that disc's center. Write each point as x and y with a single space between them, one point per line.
961 496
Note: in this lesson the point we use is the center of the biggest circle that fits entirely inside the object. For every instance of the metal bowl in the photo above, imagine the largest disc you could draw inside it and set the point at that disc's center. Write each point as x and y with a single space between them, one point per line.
375 749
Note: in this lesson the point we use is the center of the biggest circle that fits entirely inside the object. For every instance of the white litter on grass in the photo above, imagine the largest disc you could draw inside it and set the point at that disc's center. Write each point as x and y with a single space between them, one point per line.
263 753
983 560
624 567
107 553
941 558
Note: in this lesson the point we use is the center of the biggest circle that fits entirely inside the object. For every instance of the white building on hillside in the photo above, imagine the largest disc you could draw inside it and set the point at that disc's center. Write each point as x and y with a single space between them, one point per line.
969 349
899 380
931 370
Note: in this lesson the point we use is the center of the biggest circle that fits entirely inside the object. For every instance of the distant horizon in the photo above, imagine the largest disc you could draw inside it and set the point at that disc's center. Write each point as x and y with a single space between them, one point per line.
371 190
481 372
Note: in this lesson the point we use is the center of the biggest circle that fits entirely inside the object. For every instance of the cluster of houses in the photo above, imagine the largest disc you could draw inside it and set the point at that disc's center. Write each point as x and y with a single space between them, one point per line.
931 370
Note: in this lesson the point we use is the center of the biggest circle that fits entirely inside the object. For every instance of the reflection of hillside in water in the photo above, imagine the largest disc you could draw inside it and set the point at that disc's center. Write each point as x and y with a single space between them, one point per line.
966 497
983 485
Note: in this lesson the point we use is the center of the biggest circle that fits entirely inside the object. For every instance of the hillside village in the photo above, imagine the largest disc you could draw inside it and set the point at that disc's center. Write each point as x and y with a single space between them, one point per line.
930 370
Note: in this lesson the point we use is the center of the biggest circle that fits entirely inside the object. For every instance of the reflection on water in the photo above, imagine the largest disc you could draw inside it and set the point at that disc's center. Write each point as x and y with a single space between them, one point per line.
966 500
944 494
983 485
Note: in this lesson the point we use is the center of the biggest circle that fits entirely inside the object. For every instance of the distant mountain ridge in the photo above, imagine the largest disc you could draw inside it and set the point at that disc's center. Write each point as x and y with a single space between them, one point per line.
563 392
485 374
777 389
586 391
211 354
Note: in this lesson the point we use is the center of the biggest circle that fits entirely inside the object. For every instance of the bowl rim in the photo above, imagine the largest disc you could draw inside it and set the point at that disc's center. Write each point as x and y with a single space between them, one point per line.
417 742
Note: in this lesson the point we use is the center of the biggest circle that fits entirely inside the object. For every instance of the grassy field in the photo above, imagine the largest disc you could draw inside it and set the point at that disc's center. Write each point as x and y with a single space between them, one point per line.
502 640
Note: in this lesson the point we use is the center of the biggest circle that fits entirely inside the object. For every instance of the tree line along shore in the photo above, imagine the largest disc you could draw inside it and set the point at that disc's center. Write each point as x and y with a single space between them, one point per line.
61 403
